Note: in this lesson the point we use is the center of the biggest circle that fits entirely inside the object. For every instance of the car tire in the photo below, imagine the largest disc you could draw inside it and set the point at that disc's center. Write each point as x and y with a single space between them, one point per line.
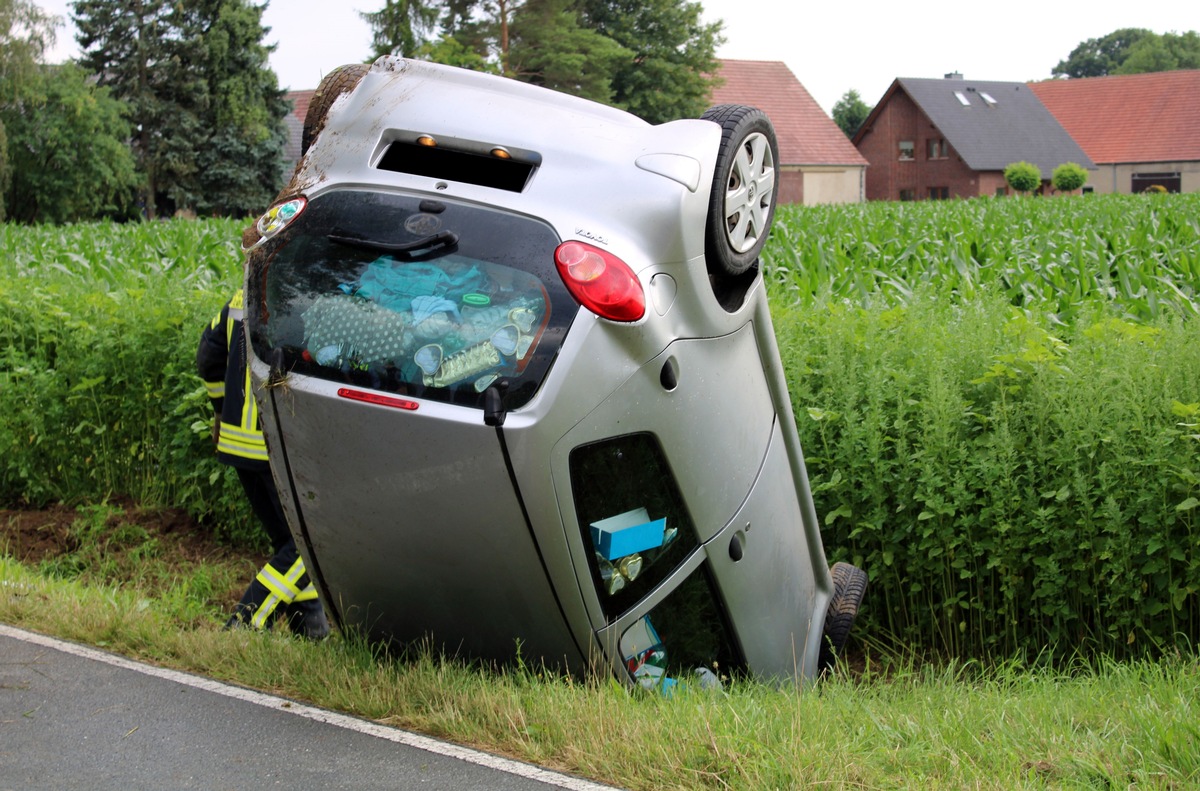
341 80
745 185
849 587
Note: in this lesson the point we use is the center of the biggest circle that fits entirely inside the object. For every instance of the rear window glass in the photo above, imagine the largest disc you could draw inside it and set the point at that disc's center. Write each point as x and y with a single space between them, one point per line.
431 299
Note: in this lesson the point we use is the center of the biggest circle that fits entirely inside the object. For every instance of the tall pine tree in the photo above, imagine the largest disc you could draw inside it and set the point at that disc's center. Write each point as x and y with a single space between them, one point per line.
207 111
128 47
673 54
240 164
548 47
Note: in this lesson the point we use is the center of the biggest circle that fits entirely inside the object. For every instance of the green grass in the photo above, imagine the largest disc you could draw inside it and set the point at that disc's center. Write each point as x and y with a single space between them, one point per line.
891 725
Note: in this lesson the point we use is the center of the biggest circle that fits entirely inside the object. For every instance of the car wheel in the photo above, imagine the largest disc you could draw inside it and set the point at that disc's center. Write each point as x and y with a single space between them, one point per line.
341 80
745 184
849 587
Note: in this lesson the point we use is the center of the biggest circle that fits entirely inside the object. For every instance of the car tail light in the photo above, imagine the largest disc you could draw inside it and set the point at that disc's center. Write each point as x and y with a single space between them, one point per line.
601 282
280 216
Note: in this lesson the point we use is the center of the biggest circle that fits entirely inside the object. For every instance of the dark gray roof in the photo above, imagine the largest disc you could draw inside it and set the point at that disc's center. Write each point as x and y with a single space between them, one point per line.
1016 127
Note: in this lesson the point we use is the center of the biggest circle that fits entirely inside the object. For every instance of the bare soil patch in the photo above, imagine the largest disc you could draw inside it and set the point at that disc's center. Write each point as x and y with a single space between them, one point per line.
32 535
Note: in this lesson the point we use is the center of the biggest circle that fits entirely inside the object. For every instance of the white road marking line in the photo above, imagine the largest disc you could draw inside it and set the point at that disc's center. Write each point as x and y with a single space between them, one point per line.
396 735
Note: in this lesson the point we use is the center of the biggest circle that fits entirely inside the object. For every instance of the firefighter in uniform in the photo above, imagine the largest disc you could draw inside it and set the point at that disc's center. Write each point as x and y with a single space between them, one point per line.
282 588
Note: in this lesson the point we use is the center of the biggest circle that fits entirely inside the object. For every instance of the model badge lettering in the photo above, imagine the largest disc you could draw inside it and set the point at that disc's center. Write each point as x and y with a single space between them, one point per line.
595 237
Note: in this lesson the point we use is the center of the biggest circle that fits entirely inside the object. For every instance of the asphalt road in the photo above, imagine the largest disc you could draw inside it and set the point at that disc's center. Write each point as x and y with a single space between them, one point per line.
72 717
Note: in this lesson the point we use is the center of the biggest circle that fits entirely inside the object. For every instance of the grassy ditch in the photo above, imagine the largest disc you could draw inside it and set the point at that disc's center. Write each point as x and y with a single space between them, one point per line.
889 724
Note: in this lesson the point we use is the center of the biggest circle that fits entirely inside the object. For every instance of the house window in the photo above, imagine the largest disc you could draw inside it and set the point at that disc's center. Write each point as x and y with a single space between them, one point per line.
987 98
962 99
939 193
937 148
906 150
907 195
1001 192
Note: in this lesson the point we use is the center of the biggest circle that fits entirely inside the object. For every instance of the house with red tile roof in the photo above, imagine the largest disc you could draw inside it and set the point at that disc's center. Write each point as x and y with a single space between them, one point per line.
932 139
817 164
1140 129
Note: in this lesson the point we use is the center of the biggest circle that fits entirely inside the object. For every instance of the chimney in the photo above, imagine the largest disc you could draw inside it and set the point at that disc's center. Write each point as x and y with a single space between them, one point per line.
954 75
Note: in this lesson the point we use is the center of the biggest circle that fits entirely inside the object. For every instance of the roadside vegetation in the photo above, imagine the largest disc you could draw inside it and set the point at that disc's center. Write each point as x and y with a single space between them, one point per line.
1000 406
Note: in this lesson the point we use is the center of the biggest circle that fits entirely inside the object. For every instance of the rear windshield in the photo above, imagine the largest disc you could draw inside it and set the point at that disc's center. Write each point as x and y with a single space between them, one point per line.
432 299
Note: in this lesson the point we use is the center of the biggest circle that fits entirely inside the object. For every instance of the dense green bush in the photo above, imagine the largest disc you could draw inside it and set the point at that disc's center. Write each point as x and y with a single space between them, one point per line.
1009 485
1069 177
98 391
1023 176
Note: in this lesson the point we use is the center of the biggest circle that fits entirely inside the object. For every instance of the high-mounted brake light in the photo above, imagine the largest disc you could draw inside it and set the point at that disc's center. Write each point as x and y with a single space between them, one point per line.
377 398
601 282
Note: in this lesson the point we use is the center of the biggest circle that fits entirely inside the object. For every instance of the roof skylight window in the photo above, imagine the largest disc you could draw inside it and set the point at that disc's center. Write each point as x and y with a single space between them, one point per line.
987 97
962 98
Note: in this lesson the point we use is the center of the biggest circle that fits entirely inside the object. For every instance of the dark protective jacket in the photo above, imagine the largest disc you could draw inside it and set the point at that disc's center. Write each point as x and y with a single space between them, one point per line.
221 362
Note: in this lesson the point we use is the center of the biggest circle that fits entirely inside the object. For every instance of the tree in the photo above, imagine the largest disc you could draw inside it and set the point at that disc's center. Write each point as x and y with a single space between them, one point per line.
1023 176
26 32
1131 51
239 109
654 58
1167 52
68 152
127 47
452 52
401 26
207 111
1069 177
548 47
850 112
670 71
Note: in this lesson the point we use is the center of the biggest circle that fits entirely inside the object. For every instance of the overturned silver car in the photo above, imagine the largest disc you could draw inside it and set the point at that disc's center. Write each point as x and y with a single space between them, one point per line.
520 384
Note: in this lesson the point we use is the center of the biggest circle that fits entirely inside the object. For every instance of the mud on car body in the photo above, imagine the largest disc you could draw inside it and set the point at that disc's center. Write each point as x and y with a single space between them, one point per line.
520 383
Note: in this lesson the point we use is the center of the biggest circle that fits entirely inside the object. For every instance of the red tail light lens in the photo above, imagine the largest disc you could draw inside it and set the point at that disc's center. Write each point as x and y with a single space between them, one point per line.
601 282
377 398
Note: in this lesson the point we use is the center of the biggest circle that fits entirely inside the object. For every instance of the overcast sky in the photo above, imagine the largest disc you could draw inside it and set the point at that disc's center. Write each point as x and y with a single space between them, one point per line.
831 46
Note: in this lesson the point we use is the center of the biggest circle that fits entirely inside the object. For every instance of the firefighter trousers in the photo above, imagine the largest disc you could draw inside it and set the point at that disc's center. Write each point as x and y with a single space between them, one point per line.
282 589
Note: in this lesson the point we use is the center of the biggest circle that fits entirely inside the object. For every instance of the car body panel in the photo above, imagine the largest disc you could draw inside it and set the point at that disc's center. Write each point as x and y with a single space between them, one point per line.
473 562
479 527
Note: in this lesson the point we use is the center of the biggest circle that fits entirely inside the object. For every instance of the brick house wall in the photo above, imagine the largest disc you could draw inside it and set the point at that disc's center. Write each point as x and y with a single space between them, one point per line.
889 176
791 185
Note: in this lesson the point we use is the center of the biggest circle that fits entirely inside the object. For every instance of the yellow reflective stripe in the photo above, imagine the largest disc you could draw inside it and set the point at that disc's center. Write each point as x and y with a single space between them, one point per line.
259 619
283 590
296 572
242 434
249 405
215 389
235 446
245 453
278 584
238 300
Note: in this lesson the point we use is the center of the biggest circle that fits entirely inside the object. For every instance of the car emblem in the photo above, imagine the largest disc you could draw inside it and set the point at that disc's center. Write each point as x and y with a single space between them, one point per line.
422 224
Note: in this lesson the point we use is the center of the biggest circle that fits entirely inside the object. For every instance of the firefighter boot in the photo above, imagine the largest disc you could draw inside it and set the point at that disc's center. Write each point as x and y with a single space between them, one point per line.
306 617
